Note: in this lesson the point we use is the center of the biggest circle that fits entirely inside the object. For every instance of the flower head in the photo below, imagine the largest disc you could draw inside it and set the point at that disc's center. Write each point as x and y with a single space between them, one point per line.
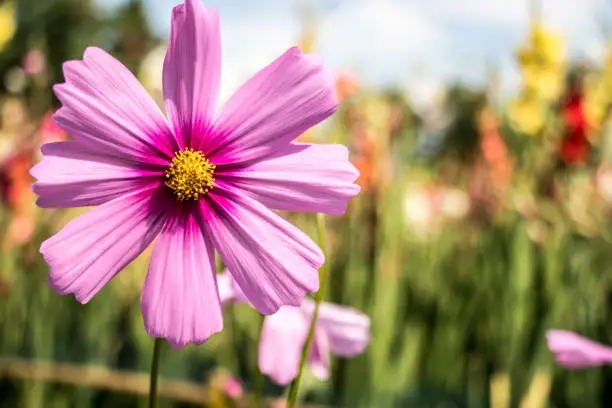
340 330
197 182
574 351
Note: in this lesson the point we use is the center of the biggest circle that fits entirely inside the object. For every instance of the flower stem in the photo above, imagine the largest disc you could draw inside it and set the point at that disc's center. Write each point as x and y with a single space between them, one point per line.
293 392
257 376
154 373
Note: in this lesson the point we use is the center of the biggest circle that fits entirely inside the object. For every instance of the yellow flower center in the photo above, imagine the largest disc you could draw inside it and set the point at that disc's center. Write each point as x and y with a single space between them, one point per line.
190 175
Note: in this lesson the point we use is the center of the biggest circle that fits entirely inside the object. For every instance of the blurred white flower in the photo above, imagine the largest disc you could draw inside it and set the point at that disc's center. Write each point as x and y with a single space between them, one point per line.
15 80
150 72
422 210
427 208
455 203
418 209
603 181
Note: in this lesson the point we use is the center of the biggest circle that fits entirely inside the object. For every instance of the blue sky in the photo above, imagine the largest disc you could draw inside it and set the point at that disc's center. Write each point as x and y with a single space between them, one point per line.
415 43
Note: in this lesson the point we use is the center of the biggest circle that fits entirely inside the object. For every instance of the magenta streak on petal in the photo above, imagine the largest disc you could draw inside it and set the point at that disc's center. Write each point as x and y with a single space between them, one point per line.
274 107
299 177
180 301
192 71
105 108
72 175
272 261
91 249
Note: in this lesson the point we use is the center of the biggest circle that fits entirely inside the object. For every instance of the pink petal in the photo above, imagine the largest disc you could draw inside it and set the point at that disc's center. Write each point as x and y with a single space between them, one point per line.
192 70
105 108
300 177
319 358
282 338
574 351
272 261
91 249
179 300
228 289
274 107
348 330
72 175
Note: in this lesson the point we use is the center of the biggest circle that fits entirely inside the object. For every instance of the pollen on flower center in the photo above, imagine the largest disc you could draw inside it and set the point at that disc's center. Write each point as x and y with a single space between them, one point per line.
190 175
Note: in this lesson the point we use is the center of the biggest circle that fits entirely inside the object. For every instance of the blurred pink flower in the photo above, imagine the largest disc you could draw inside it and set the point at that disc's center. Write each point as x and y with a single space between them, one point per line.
49 131
228 289
574 351
34 62
21 228
233 388
340 330
15 192
603 182
198 181
279 403
347 85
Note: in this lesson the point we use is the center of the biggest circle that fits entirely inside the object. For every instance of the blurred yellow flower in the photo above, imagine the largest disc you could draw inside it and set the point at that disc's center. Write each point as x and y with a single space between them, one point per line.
377 112
7 23
526 115
598 93
542 63
546 83
548 44
542 67
307 40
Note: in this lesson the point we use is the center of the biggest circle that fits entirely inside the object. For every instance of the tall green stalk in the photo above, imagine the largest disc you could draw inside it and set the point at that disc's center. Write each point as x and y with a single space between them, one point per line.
154 373
293 392
257 376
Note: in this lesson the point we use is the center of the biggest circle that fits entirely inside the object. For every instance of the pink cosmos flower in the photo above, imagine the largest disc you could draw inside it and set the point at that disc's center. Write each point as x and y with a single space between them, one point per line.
196 181
341 330
574 351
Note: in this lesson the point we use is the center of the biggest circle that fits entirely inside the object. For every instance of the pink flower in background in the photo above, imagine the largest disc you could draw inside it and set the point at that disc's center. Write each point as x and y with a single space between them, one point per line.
279 403
233 388
574 351
347 85
228 289
197 181
340 330
49 131
34 62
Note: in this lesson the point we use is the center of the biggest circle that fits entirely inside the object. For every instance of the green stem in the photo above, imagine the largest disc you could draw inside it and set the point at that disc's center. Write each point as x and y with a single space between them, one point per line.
257 376
154 374
293 392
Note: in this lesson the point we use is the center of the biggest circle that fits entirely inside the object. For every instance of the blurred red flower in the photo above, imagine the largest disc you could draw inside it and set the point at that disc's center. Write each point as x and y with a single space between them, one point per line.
575 147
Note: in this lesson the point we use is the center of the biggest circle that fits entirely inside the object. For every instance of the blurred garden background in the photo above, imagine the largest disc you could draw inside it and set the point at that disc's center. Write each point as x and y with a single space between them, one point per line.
482 134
